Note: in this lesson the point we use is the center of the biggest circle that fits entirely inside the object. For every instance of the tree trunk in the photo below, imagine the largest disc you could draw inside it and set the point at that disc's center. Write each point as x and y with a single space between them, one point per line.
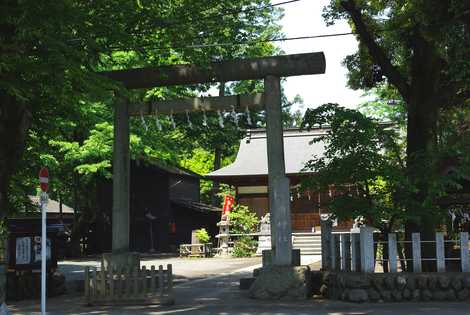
216 185
423 110
421 88
422 120
15 120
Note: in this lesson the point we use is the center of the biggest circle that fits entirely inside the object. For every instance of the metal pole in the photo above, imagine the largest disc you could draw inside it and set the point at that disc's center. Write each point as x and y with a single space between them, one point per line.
43 252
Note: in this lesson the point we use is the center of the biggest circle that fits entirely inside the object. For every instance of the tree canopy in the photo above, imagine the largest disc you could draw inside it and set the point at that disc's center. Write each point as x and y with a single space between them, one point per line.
414 53
56 110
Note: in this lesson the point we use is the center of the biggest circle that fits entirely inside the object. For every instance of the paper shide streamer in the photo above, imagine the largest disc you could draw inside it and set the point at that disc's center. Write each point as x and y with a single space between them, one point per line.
142 119
172 120
204 118
248 116
221 119
157 121
190 124
234 116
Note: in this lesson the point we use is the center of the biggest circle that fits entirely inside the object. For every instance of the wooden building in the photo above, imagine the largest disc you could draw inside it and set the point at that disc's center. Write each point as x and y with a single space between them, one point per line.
249 174
164 208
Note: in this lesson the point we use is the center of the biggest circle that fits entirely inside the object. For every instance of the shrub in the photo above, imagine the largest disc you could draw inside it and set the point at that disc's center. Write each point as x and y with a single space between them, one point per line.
245 246
203 236
243 221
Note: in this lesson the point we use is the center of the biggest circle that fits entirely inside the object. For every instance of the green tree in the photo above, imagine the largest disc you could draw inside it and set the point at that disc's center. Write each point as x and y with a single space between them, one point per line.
362 160
51 53
419 49
203 236
55 108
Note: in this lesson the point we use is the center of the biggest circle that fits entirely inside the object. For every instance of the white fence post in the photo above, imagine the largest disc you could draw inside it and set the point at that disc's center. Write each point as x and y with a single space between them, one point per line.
345 252
464 259
392 252
416 244
367 249
355 254
440 255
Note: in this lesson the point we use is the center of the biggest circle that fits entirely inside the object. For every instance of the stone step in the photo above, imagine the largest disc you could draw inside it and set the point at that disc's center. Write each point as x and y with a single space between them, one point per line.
307 243
310 246
306 238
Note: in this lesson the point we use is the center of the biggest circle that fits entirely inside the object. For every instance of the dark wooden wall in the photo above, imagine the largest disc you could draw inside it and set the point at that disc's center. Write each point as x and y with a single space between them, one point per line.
149 193
151 190
187 221
184 187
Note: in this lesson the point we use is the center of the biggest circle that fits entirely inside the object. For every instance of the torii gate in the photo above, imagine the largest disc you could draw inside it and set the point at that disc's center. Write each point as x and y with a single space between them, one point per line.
271 69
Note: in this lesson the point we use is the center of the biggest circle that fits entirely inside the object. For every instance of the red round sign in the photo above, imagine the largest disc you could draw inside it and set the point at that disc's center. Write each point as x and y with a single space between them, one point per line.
44 179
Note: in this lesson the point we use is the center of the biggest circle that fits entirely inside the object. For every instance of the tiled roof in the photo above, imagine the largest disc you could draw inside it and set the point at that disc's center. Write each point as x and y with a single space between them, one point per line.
252 157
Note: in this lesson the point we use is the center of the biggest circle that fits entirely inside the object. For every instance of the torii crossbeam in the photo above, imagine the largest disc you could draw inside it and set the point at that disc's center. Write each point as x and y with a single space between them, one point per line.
271 69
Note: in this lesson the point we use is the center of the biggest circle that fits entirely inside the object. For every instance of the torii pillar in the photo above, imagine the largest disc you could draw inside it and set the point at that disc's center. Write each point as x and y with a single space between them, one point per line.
278 183
121 177
271 69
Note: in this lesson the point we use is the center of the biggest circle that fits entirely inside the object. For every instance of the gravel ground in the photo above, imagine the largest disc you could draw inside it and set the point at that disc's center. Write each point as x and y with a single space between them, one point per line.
220 295
210 286
183 268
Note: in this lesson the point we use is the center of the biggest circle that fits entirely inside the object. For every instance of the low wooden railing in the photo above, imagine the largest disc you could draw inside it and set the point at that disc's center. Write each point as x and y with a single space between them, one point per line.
196 250
129 286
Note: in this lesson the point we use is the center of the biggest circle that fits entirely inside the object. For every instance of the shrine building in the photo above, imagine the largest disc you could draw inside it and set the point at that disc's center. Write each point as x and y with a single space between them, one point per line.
249 175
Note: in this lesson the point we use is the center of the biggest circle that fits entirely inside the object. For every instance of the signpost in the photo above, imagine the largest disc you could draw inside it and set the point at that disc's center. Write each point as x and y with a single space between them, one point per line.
44 183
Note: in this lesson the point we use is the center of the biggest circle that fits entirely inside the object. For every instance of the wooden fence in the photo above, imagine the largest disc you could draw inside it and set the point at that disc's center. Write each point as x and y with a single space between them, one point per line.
129 286
347 251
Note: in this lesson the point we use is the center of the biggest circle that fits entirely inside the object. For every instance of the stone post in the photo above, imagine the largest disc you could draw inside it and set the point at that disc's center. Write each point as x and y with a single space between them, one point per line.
392 252
121 178
416 245
326 227
440 252
279 194
355 252
345 241
367 249
464 258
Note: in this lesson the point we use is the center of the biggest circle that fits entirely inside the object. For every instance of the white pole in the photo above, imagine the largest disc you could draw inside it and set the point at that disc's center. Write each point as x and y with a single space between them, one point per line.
43 253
